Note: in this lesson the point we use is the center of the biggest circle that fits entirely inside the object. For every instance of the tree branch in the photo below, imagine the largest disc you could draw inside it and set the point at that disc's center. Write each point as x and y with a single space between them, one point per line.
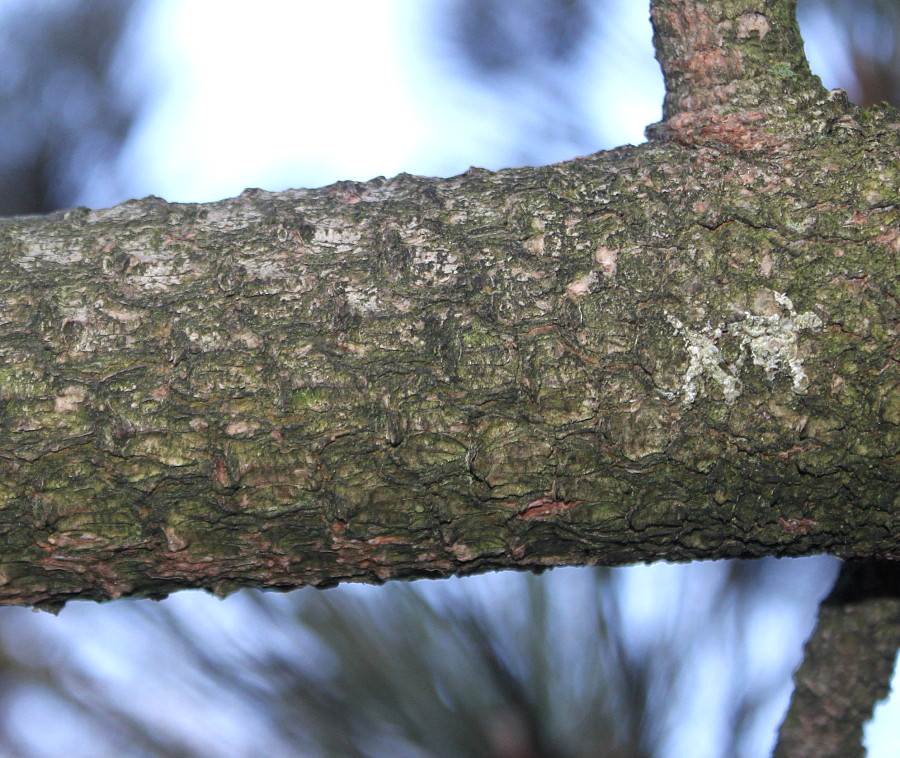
679 350
735 71
847 664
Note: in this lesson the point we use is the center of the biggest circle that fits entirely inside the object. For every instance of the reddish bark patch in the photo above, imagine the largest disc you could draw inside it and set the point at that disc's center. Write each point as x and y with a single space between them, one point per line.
220 472
732 130
797 525
547 506
697 54
890 239
376 541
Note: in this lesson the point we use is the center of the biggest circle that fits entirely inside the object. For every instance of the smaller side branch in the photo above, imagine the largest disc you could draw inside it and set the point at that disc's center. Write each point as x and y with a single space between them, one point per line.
847 664
735 71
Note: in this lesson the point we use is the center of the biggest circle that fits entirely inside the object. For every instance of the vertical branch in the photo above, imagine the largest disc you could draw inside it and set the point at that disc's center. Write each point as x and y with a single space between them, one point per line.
730 67
847 664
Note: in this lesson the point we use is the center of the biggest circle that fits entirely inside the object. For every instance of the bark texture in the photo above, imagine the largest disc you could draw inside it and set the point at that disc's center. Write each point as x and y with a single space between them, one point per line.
847 664
680 350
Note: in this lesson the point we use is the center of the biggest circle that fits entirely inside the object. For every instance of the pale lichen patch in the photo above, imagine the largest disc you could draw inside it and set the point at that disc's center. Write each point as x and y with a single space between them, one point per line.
49 251
607 259
462 552
71 397
120 314
581 286
704 360
361 300
174 542
434 266
771 341
249 339
333 233
240 428
752 22
535 245
160 393
231 216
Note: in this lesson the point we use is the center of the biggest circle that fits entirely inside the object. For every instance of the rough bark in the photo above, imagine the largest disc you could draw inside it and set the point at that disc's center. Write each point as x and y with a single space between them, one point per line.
684 349
847 664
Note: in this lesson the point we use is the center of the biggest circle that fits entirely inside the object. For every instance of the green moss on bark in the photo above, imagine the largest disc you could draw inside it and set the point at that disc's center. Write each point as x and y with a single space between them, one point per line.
678 350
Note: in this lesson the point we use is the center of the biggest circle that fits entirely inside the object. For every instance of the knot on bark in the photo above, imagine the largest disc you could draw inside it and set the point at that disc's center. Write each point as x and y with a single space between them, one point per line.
742 131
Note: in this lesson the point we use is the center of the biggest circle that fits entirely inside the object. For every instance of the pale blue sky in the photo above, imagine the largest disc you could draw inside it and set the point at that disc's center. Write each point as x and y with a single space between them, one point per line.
306 93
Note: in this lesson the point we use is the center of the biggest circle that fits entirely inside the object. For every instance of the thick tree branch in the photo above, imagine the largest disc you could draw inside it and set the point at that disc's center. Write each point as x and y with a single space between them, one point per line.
847 665
680 350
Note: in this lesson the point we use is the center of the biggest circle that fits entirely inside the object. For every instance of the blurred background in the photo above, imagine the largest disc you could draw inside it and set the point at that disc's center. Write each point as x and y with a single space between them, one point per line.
103 100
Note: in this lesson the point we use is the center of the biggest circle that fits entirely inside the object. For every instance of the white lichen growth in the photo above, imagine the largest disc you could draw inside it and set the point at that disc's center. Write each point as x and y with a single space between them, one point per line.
362 300
705 359
770 340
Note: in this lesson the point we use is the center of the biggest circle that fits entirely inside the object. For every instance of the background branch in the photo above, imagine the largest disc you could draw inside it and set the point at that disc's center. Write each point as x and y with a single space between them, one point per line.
847 664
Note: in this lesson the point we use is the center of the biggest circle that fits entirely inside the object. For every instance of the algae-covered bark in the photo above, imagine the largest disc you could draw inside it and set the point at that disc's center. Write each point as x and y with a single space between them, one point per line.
679 350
